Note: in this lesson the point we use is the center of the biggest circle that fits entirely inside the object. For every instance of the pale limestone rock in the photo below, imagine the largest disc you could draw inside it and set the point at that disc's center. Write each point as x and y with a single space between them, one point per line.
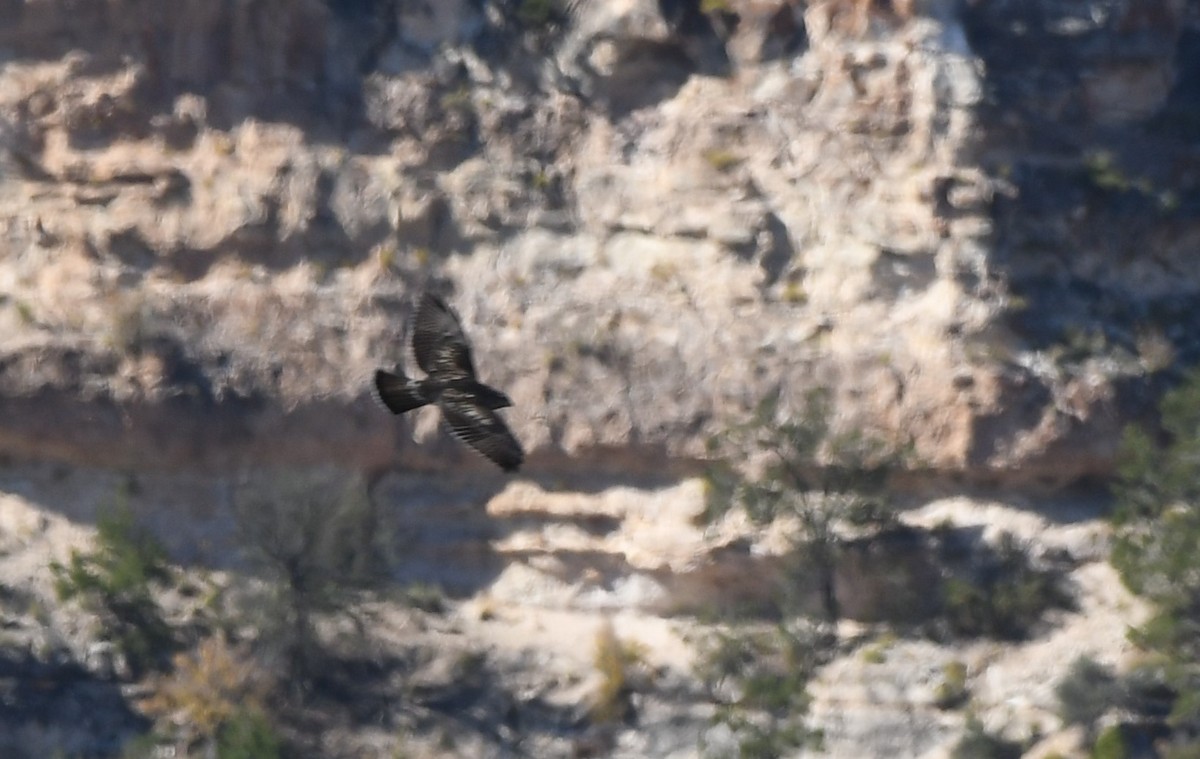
210 241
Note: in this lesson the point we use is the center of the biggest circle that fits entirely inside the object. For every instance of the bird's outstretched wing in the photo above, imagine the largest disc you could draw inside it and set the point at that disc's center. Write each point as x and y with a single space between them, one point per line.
481 428
438 342
397 392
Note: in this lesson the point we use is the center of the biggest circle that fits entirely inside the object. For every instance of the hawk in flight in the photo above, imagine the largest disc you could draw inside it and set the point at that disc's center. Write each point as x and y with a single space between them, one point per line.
468 406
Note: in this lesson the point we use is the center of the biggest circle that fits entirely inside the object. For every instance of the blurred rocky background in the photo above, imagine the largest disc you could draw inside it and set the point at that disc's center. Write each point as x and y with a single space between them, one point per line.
972 222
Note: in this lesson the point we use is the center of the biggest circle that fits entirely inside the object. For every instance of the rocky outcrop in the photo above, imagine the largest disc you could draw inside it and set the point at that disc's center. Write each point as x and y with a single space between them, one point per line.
650 217
972 221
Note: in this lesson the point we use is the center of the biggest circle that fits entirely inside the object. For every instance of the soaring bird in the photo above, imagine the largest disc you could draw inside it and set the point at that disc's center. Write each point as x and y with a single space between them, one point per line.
468 406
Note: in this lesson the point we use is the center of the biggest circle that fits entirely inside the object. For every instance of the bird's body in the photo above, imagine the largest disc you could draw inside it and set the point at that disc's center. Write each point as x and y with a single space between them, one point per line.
401 393
468 406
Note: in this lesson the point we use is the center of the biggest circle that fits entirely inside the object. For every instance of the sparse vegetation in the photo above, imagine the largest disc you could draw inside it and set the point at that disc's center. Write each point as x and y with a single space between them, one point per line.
458 100
1086 693
316 542
759 680
426 597
25 312
385 255
793 292
715 6
1157 529
721 159
249 734
952 692
978 743
117 582
1104 171
1005 597
877 651
617 663
1110 744
214 697
1080 344
541 180
823 482
1168 201
534 163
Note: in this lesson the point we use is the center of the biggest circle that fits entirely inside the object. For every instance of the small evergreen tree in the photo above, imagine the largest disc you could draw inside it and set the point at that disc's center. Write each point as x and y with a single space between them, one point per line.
798 470
116 581
822 479
1155 548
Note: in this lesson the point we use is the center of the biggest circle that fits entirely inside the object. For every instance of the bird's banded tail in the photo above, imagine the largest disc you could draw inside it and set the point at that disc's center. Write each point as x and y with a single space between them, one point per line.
397 392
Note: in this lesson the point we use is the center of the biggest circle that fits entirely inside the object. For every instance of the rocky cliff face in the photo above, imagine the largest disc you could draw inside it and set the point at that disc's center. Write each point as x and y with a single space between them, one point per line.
974 221
649 217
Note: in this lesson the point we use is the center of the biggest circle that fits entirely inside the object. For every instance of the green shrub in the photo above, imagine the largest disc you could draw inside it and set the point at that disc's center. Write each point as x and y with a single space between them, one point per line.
1104 171
825 484
952 692
116 581
1156 531
819 479
759 680
721 159
1146 690
1110 744
877 651
1087 692
426 597
248 735
978 743
1005 597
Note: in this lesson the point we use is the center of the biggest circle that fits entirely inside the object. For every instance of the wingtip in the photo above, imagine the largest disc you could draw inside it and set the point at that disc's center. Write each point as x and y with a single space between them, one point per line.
515 461
382 380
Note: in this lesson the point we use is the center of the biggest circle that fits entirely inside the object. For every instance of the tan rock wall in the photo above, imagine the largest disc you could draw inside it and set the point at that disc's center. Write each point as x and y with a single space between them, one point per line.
225 203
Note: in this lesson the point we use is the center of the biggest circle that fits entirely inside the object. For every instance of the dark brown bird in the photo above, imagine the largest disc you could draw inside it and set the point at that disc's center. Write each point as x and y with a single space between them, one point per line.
468 406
